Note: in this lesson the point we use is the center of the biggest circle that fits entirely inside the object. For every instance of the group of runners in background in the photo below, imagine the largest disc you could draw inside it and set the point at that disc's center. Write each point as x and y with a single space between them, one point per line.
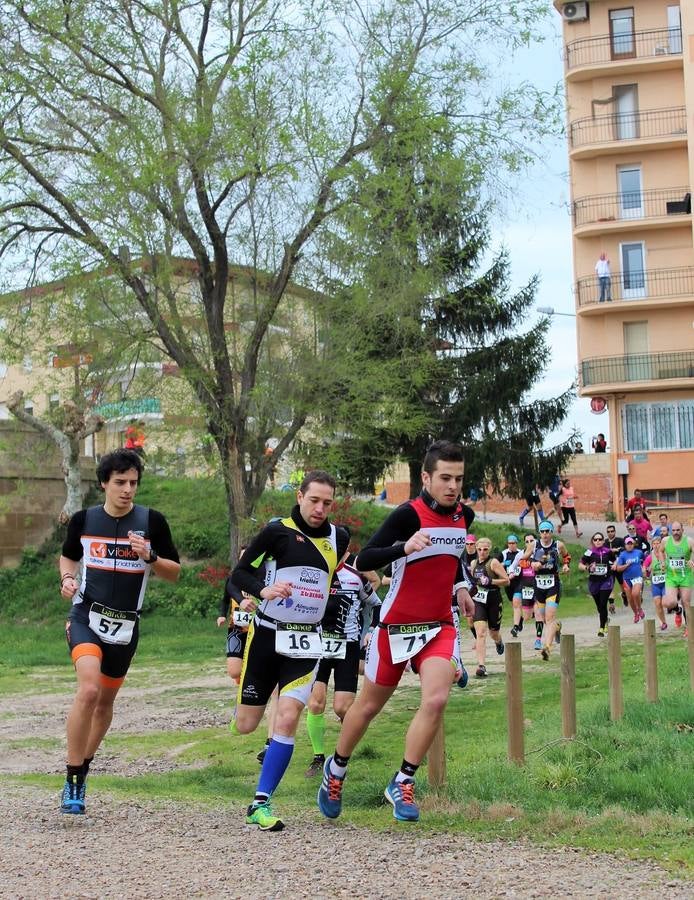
301 608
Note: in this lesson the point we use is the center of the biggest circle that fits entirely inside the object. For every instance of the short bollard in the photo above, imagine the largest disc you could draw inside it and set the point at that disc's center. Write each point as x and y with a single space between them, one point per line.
568 686
651 661
436 765
690 644
514 702
614 670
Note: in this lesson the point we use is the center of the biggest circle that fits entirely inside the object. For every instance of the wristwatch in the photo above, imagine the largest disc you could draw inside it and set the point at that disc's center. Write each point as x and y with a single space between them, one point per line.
153 557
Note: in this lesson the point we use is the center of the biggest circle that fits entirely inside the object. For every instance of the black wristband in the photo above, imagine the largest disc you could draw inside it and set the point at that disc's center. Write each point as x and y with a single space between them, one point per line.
153 557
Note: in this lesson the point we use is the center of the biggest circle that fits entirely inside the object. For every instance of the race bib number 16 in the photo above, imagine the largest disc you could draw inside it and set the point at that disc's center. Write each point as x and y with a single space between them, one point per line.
300 641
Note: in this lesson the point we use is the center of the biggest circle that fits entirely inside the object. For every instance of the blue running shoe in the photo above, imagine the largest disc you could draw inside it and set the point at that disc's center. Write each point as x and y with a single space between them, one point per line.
538 644
462 681
72 799
330 792
400 794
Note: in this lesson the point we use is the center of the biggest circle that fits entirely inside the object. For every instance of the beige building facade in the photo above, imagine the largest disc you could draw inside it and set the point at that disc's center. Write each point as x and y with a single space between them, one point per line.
629 77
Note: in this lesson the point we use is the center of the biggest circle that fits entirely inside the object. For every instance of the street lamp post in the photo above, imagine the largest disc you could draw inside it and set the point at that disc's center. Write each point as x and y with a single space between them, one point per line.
551 311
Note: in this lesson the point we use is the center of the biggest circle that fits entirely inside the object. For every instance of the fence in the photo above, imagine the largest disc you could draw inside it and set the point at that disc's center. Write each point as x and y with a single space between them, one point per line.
629 205
638 285
607 48
629 126
436 758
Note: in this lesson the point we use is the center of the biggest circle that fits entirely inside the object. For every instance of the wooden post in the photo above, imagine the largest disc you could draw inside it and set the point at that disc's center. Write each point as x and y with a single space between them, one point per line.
614 669
514 702
651 661
437 759
568 686
690 644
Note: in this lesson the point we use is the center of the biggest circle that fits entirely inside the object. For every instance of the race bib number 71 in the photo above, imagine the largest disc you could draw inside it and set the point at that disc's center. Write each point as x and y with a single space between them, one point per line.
407 640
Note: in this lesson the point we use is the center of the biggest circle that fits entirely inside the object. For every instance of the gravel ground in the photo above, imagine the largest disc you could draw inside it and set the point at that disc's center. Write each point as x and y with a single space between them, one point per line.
138 851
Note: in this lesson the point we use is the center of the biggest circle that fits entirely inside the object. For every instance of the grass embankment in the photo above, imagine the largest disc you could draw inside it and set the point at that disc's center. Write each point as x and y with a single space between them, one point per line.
625 787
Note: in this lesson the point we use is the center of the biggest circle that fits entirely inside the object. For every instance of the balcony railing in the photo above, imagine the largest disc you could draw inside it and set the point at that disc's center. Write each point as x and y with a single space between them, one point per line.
614 48
129 409
629 126
637 367
638 285
632 205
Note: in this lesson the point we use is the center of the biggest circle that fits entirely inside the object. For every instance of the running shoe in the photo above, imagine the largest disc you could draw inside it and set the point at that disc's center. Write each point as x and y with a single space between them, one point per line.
557 634
330 792
678 617
500 648
72 798
546 652
579 534
663 626
400 794
642 614
625 602
637 618
602 632
514 631
686 632
481 672
613 611
538 644
261 815
520 520
261 756
463 680
316 766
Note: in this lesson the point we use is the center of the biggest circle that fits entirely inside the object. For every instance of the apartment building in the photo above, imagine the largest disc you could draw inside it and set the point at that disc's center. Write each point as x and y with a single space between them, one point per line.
629 77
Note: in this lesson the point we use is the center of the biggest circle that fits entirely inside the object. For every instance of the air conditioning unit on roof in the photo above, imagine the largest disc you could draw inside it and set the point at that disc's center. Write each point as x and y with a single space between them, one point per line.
574 12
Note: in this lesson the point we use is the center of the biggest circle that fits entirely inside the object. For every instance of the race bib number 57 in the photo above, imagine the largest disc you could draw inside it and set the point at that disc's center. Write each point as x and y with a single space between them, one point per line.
113 626
407 640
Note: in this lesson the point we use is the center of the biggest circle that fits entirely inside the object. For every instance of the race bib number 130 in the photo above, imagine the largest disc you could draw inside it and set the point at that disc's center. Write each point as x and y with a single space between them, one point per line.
407 640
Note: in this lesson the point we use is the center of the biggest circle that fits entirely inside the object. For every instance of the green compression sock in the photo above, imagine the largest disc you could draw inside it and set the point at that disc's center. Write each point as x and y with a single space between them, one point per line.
315 725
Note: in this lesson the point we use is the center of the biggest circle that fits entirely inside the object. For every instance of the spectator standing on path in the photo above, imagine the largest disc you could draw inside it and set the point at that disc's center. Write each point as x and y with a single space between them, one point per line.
599 443
119 545
602 270
567 501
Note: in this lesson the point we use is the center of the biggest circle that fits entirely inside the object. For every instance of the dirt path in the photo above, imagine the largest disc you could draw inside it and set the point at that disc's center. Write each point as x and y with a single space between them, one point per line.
145 851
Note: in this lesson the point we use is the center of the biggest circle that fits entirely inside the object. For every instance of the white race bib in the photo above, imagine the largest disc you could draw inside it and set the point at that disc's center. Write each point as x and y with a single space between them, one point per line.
301 641
113 626
658 579
600 570
514 573
242 619
334 645
544 581
638 580
677 563
481 595
527 593
407 640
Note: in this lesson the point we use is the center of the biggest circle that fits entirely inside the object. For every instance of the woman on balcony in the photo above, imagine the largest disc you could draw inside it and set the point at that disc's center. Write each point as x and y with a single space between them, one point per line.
602 270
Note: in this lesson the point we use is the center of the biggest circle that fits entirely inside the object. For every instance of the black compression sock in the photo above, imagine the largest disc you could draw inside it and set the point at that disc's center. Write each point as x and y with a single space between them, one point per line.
539 628
75 773
86 764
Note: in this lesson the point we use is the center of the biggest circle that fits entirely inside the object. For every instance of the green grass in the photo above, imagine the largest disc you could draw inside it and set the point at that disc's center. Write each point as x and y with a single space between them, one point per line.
624 787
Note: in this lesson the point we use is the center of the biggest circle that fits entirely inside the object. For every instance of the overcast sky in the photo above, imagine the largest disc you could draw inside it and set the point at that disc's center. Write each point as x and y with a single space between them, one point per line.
537 232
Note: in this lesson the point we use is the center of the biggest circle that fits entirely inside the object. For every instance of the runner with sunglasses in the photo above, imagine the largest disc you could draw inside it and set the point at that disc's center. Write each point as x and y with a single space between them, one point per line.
597 562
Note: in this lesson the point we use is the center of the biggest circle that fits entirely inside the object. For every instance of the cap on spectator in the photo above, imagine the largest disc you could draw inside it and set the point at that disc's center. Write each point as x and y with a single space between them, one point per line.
471 539
546 526
511 539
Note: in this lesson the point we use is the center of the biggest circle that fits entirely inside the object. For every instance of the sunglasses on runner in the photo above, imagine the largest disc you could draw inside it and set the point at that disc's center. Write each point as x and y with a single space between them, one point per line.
598 537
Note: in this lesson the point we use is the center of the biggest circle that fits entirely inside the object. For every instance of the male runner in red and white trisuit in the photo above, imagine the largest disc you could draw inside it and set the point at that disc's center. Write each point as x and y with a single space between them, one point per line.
424 540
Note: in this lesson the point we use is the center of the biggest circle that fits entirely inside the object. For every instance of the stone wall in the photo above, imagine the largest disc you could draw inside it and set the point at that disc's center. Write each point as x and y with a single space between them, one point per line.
32 490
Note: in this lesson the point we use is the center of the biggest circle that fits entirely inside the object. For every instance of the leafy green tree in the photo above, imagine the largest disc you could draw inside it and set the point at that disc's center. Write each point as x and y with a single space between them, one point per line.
438 342
138 136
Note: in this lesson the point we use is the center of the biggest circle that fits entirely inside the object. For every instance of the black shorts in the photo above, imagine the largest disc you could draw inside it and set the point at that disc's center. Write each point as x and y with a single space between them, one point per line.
236 642
532 499
542 595
264 669
345 671
490 611
115 658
